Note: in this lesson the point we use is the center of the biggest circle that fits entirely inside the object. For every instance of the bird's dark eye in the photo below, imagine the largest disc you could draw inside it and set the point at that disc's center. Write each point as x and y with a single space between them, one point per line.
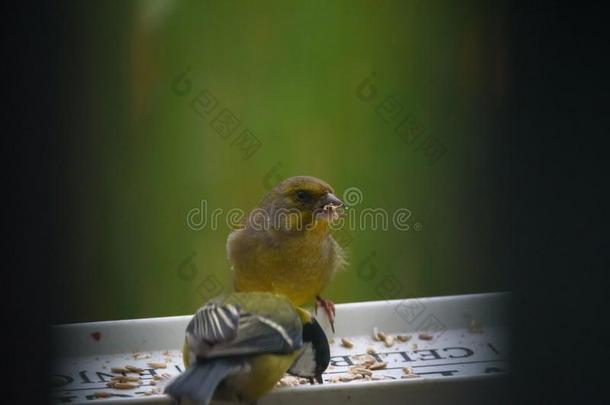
303 196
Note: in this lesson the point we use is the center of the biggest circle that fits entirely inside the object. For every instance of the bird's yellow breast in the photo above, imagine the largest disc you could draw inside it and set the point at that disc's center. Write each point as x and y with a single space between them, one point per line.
298 266
266 370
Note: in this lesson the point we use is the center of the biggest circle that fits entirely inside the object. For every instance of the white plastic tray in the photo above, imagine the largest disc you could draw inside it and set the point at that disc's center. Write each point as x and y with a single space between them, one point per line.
456 366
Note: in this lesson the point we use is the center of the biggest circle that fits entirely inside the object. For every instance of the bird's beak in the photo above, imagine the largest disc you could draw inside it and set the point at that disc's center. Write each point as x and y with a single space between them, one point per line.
331 199
329 207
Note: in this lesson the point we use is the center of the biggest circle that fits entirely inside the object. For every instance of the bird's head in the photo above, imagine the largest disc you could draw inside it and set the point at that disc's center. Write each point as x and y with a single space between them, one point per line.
301 203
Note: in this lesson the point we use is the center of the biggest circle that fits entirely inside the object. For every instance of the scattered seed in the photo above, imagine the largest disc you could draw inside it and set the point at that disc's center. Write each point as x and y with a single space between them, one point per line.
134 369
157 365
124 386
426 336
119 370
389 341
407 370
125 378
378 365
474 326
414 346
371 350
365 360
102 394
381 336
403 338
152 382
288 381
345 342
376 334
360 370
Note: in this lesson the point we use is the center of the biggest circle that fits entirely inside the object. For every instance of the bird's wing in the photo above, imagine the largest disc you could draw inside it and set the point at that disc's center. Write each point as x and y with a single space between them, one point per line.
214 323
227 330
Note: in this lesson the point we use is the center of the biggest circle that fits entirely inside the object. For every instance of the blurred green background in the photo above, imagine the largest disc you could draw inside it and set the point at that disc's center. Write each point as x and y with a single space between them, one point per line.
140 157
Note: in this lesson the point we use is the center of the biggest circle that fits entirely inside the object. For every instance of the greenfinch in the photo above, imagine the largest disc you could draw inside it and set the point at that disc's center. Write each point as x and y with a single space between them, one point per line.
238 349
286 246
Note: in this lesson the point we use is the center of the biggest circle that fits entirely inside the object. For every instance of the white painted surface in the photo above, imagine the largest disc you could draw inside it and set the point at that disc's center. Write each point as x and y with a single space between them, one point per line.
455 366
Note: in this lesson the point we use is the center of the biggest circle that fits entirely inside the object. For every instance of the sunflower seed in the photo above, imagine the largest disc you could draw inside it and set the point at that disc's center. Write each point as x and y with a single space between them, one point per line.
389 341
345 342
124 386
378 365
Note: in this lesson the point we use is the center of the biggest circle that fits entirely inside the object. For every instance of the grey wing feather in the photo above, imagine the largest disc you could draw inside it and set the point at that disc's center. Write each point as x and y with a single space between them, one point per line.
199 381
221 330
258 334
214 323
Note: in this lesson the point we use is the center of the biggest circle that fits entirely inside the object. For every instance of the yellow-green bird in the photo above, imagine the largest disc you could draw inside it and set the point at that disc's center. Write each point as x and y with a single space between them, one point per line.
286 246
237 350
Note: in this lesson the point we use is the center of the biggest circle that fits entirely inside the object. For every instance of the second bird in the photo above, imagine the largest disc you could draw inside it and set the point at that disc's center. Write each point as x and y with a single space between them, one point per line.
286 246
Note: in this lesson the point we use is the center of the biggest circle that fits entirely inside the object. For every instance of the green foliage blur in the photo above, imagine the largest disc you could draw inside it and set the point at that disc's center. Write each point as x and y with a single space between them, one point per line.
142 156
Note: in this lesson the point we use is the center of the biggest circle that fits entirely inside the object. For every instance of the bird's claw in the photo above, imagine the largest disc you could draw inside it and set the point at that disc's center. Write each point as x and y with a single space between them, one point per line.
329 308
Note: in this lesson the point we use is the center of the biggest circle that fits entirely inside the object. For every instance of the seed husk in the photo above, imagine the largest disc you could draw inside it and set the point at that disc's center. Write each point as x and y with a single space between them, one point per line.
378 365
156 365
474 326
119 370
360 370
134 369
351 377
345 342
426 336
376 334
388 341
124 385
403 338
407 370
125 378
102 394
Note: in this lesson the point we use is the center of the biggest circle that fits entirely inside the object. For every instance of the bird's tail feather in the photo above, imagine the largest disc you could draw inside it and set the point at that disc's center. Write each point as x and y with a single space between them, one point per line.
199 381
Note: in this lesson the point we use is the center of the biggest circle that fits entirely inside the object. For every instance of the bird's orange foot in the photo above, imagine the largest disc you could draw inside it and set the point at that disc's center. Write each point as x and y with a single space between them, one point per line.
329 308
